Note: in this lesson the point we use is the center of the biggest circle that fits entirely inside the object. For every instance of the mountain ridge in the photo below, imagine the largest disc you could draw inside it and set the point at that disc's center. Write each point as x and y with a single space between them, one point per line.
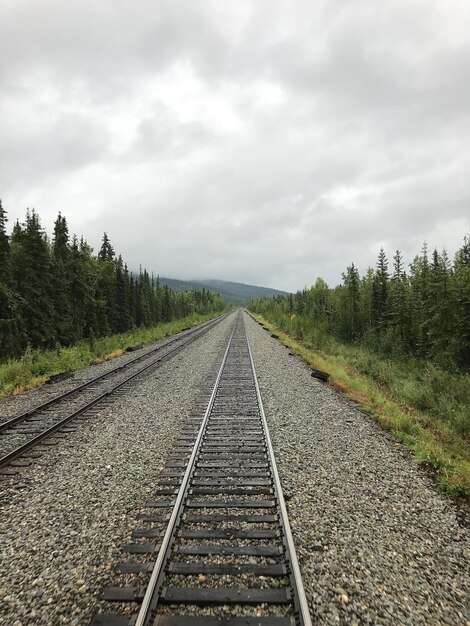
233 292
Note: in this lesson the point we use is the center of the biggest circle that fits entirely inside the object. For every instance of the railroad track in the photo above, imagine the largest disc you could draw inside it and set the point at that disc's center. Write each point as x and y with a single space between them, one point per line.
216 545
25 431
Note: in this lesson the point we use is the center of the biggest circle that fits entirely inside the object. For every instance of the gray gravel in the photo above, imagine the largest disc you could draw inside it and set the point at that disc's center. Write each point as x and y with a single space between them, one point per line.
375 542
23 431
66 518
14 405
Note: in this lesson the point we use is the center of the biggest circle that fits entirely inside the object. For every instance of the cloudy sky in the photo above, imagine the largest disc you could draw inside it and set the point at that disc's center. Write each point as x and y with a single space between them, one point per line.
254 140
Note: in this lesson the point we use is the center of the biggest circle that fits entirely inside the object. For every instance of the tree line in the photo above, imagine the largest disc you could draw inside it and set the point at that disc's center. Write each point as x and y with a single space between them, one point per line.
424 312
55 292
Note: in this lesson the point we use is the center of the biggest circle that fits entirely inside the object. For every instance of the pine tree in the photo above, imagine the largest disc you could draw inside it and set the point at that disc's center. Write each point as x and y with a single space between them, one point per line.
420 301
60 243
60 279
461 298
398 306
351 322
123 315
366 293
144 313
31 271
5 269
12 338
167 303
93 307
440 319
158 301
107 288
380 292
106 252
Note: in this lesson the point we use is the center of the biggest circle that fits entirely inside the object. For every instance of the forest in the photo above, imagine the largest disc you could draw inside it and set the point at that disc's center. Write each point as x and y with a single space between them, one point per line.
397 342
422 313
56 292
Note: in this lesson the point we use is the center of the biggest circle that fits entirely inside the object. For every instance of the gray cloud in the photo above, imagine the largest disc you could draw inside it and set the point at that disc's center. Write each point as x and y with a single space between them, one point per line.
266 142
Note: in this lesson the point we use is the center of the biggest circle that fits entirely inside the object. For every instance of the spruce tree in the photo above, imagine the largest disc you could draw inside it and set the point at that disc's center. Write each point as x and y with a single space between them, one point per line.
5 269
158 301
107 288
106 252
441 312
351 324
166 304
398 306
420 301
12 338
144 313
60 279
366 293
461 297
380 292
94 308
123 316
31 273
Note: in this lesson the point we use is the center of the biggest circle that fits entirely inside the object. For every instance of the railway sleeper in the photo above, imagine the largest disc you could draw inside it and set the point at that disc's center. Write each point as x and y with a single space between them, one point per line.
206 620
204 596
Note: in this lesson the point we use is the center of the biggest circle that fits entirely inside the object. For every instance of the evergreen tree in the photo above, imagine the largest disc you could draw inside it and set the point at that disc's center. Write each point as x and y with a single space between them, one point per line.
461 298
420 300
440 311
122 289
77 291
158 300
30 258
166 304
398 306
4 248
12 337
60 279
144 313
425 313
380 292
107 303
58 292
351 322
94 307
106 252
366 293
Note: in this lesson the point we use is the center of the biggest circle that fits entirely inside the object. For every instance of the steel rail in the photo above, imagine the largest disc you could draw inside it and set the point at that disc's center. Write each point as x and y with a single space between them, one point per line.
149 596
14 454
294 564
56 399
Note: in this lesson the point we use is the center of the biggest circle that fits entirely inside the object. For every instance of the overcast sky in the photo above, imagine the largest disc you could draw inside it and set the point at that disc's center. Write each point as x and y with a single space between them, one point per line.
254 140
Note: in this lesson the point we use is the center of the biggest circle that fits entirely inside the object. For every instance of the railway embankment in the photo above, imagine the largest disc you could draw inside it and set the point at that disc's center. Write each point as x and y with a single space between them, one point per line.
66 517
376 543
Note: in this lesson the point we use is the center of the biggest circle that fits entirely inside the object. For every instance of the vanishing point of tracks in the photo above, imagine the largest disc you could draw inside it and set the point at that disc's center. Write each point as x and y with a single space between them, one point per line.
25 431
216 546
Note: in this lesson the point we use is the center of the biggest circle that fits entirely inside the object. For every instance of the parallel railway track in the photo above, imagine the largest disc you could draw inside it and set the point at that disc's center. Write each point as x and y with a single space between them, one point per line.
26 430
218 523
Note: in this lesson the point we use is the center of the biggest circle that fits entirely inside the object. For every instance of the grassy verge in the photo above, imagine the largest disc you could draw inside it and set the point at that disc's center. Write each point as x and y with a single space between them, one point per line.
426 409
35 367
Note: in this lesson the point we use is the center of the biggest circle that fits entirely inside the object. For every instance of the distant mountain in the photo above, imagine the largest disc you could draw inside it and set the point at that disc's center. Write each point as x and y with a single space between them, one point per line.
234 293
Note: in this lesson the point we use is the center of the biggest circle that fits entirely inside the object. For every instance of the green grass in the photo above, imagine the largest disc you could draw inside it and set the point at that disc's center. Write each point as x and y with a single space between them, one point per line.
33 369
426 408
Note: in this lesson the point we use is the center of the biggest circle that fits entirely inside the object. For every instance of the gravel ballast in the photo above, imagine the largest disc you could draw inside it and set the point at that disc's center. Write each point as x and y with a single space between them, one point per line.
66 518
16 404
376 543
